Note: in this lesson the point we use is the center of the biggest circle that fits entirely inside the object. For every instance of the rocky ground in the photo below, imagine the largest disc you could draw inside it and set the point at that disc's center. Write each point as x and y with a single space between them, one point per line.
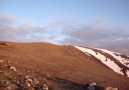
12 79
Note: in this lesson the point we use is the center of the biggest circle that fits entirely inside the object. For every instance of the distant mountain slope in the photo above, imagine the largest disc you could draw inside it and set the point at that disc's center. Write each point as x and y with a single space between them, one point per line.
117 62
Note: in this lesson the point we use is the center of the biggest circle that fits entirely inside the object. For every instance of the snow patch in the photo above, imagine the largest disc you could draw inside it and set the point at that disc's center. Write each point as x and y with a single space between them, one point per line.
119 58
111 64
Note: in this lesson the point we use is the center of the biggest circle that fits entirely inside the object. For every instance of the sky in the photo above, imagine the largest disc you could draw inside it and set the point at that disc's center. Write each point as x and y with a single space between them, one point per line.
89 23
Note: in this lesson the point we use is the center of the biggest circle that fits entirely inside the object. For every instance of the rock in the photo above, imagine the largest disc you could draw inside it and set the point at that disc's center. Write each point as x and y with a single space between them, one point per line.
45 87
13 68
1 61
111 88
88 87
30 81
27 84
9 87
8 61
5 73
27 77
44 78
6 65
93 84
35 81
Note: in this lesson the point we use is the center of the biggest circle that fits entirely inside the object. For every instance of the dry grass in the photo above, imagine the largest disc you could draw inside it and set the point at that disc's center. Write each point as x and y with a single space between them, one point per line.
65 66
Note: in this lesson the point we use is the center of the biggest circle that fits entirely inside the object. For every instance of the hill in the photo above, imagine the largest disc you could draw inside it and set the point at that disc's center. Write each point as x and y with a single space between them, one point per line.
60 67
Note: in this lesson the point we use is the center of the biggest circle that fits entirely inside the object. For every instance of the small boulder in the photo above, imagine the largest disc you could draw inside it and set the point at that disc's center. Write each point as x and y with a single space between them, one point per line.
29 80
1 61
8 61
93 84
27 77
35 81
27 84
8 88
45 87
13 68
88 87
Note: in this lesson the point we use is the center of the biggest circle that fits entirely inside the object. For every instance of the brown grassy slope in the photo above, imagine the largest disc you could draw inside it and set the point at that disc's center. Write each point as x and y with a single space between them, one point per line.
64 62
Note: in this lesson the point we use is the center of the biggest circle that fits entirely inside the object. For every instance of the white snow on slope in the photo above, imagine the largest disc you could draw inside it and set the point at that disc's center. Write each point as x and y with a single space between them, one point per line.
119 58
111 64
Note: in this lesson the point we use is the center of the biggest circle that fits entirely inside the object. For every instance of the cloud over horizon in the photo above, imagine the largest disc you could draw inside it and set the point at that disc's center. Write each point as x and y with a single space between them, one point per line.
17 29
7 19
96 34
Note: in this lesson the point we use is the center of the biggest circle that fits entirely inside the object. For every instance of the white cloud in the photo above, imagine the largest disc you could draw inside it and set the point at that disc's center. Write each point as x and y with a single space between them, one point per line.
16 29
96 34
8 19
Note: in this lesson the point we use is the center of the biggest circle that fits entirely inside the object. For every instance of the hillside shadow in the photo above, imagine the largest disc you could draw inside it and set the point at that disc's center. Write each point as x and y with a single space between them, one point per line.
67 84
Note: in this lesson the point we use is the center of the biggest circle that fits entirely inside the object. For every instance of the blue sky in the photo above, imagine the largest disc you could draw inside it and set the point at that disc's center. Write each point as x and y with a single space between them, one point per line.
41 11
94 23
